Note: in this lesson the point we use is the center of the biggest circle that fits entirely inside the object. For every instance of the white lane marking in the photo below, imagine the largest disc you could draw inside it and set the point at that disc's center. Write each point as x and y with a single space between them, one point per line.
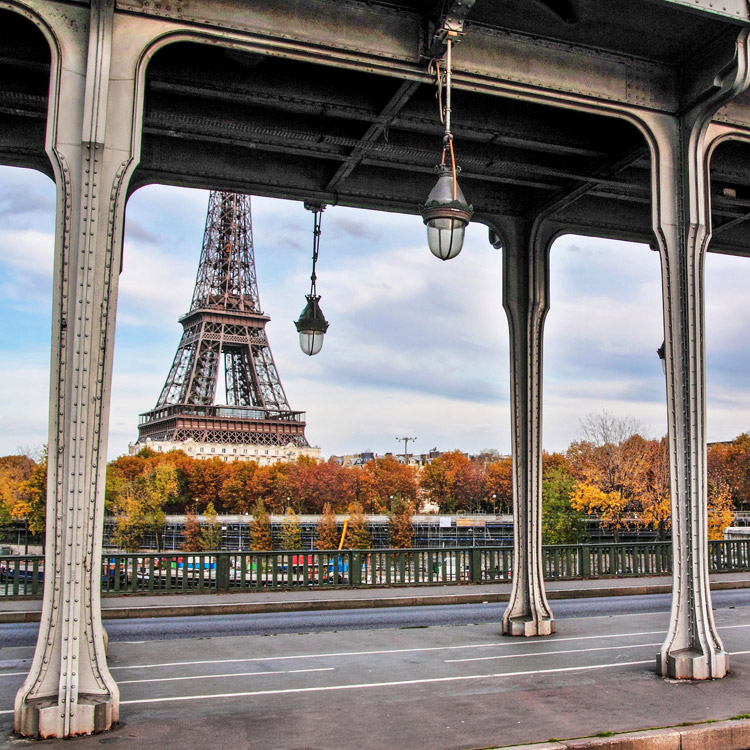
385 684
385 651
230 674
366 685
553 653
14 674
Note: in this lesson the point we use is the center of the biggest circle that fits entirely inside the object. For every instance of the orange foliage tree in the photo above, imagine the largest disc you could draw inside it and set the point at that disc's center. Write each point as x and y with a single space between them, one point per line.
499 486
328 535
401 528
720 509
382 479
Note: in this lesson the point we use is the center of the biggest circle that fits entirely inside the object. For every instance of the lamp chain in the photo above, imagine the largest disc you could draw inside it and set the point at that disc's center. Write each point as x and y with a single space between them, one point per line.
443 79
316 247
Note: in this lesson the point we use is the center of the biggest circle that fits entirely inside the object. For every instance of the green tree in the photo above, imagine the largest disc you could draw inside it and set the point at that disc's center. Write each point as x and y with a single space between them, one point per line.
401 529
260 529
140 508
291 532
328 535
561 523
357 537
129 529
211 532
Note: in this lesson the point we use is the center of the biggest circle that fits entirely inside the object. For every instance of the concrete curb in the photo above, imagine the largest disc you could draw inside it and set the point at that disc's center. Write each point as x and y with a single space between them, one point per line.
125 611
722 735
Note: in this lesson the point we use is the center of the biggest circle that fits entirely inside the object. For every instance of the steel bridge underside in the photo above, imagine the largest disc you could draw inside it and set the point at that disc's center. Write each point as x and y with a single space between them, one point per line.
356 122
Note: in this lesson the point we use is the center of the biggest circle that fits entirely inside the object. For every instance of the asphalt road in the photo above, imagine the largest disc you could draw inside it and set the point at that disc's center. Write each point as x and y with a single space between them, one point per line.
170 628
387 682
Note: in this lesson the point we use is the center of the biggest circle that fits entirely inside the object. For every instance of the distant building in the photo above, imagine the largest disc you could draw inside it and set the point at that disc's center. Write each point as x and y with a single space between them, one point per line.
229 452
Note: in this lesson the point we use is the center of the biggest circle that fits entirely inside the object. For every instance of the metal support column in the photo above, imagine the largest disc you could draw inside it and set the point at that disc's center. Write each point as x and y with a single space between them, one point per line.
692 649
526 301
69 689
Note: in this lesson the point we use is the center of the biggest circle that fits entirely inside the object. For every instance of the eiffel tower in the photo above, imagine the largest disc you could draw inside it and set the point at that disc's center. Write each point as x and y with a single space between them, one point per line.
225 326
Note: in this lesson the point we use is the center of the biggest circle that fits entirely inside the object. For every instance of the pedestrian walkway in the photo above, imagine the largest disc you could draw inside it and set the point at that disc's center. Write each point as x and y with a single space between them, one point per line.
274 600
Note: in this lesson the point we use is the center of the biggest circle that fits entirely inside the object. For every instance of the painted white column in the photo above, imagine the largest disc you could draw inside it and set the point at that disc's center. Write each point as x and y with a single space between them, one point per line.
681 189
526 302
69 689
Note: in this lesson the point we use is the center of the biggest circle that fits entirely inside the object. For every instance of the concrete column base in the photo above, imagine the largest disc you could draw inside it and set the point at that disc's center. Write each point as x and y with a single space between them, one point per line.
43 718
692 664
525 626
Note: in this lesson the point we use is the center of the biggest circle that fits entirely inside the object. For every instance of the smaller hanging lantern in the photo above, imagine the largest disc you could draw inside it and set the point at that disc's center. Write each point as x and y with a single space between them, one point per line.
311 325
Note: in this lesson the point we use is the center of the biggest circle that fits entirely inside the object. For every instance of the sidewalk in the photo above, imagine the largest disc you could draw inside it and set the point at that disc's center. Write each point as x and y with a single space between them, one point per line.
253 602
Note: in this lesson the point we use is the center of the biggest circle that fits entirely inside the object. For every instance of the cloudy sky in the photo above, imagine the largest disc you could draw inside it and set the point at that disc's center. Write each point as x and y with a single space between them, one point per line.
416 347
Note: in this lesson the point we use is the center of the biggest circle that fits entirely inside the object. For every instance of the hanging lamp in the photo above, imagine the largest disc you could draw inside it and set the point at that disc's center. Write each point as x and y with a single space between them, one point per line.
311 325
446 212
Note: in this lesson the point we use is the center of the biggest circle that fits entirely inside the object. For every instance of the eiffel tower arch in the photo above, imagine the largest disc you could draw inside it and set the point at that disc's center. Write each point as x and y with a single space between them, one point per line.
225 331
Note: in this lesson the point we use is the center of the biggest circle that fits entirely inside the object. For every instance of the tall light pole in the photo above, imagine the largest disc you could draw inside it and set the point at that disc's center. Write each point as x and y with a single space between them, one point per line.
406 440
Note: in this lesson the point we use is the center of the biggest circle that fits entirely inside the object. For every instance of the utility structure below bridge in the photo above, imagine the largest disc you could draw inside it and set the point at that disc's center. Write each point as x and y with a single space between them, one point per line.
628 119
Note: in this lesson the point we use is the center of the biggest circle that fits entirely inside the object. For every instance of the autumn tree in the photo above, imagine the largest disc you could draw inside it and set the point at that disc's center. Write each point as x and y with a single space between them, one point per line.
611 508
291 532
327 533
441 481
31 497
237 492
498 487
192 539
15 471
606 463
651 487
383 478
205 482
400 526
211 531
315 483
737 470
260 529
357 537
720 510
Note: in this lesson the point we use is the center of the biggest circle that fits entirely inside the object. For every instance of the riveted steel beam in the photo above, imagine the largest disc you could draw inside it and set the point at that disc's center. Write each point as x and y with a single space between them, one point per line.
735 10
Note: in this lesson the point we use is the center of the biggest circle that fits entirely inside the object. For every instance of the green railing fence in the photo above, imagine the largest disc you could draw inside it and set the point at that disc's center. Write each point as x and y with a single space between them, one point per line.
173 572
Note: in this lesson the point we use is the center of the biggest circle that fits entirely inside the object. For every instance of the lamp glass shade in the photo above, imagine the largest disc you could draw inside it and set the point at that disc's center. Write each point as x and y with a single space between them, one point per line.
446 216
445 237
311 342
311 326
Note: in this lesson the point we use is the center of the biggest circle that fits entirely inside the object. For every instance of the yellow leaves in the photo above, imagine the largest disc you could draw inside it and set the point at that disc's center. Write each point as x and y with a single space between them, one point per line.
720 509
20 509
609 506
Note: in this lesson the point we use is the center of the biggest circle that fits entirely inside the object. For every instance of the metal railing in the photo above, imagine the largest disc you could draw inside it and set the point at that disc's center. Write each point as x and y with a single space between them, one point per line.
177 572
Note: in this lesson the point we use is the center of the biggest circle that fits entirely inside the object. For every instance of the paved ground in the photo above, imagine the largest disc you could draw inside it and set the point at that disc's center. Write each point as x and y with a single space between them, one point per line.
441 687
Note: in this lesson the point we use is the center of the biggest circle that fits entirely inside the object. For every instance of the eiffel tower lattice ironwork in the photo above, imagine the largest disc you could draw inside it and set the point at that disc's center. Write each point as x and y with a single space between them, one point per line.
226 322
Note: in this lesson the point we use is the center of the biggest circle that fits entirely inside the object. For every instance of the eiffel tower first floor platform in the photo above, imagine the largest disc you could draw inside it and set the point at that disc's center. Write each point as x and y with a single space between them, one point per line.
232 433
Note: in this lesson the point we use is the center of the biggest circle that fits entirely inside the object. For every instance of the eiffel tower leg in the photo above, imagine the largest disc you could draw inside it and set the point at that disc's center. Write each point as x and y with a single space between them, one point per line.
69 689
525 299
